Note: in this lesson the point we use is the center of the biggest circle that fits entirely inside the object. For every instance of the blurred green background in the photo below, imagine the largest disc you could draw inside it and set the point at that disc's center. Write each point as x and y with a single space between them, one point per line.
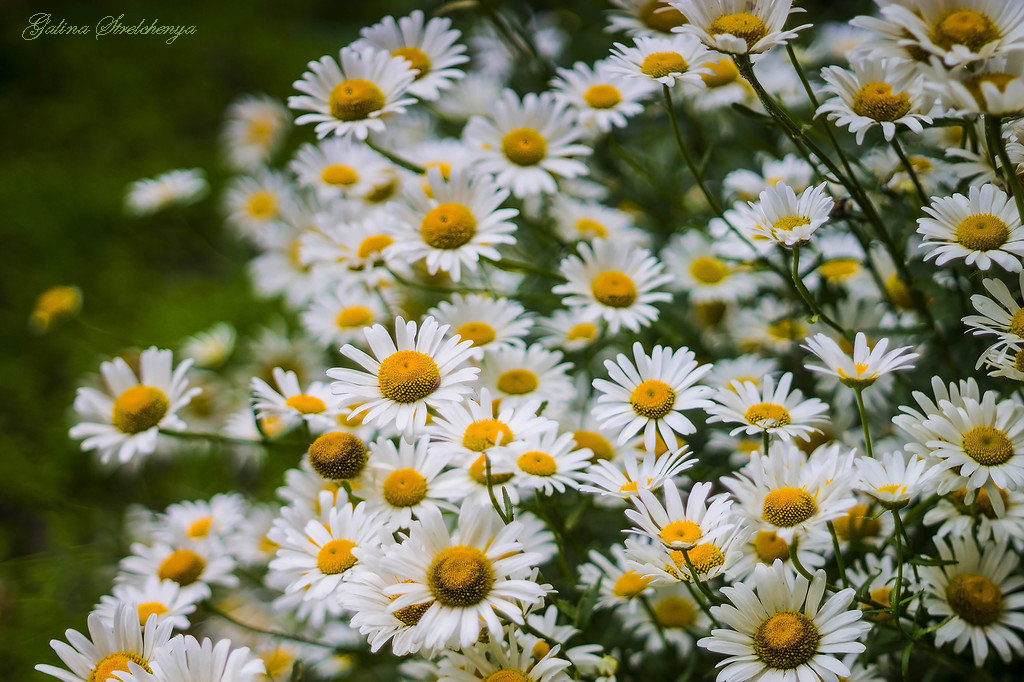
81 118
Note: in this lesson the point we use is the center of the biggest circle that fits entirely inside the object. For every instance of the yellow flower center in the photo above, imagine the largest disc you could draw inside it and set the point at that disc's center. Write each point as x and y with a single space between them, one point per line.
602 96
704 557
537 464
201 528
351 420
839 269
708 270
857 525
410 615
658 15
478 472
982 503
595 442
353 317
408 376
448 226
508 675
277 662
260 130
768 416
876 101
1018 361
591 227
742 25
584 331
653 399
675 612
416 58
183 566
485 434
686 532
524 147
1017 323
789 223
151 608
336 557
788 507
355 99
630 584
614 289
54 304
460 576
374 245
404 488
339 175
882 596
786 640
480 333
710 313
338 455
975 598
981 232
787 329
517 382
116 662
262 205
966 27
987 446
139 408
661 64
899 292
723 72
540 649
306 404
768 546
1000 80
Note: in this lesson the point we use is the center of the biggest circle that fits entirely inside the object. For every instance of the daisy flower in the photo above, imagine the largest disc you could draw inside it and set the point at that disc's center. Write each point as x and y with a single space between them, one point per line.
565 329
214 520
505 658
404 480
458 224
771 408
353 99
778 629
403 378
876 92
679 526
620 586
789 170
600 98
675 617
467 430
109 648
338 167
185 658
527 144
173 188
1001 315
346 250
996 87
164 599
624 479
54 305
979 590
982 228
315 406
519 375
956 518
253 203
652 393
197 566
428 46
865 366
618 285
786 219
660 60
468 576
668 566
340 315
256 126
745 368
643 17
371 613
491 324
122 423
702 272
210 348
737 26
893 480
585 220
550 463
765 547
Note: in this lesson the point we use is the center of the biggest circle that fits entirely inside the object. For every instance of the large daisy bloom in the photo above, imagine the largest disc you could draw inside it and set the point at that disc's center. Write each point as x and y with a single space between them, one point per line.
187 659
787 219
659 60
651 394
778 629
467 577
737 26
600 98
123 422
173 188
894 479
339 167
528 144
353 99
979 592
404 377
864 366
428 46
769 408
616 284
982 228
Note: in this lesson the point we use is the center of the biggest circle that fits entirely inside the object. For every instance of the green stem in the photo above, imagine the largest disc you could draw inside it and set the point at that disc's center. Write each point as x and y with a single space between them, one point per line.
490 491
521 266
996 144
839 554
263 631
809 300
217 438
766 441
864 422
395 159
654 619
697 175
898 148
894 602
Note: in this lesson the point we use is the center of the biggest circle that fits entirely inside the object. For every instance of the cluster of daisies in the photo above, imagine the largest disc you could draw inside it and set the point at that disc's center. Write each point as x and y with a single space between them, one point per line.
518 323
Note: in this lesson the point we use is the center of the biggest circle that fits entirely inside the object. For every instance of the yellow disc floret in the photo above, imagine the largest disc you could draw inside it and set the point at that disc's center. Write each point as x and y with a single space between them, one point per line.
769 546
595 442
788 507
355 99
708 270
139 408
630 584
480 333
339 175
653 399
354 317
658 15
742 25
306 404
478 473
460 576
150 608
408 376
524 147
662 64
517 382
338 455
975 598
704 557
767 416
416 58
602 96
183 566
614 289
485 434
448 226
786 640
981 232
537 464
404 488
675 612
336 557
685 532
116 662
262 205
723 72
200 528
508 675
987 445
374 245
877 101
966 27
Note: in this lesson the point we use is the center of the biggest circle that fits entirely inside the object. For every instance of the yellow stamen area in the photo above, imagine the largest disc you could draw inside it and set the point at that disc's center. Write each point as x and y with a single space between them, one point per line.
882 596
860 378
658 15
768 416
685 532
787 329
508 675
262 205
404 488
150 608
537 464
336 557
769 546
966 27
630 584
277 661
485 434
981 232
893 489
478 473
595 442
602 96
585 331
708 270
710 313
786 640
53 305
183 566
116 662
381 193
540 650
704 557
975 598
723 72
448 226
790 223
877 101
987 445
351 420
410 615
480 333
591 227
460 576
355 99
788 507
743 25
139 408
839 269
857 525
524 147
408 376
517 382
339 175
338 455
306 404
1017 323
374 245
354 317
898 292
614 289
416 58
974 83
662 64
675 612
260 130
200 528
653 399
1018 361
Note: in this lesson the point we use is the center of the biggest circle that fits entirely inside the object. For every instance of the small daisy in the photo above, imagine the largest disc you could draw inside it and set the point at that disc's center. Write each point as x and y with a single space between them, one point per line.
196 567
210 348
444 154
550 463
679 526
982 228
618 285
702 272
405 480
865 366
666 566
256 126
566 330
956 518
519 375
371 613
254 203
893 480
173 188
53 306
875 93
338 167
787 219
661 60
789 170
777 628
214 520
745 368
491 324
418 370
164 599
738 26
624 479
353 99
185 658
765 547
652 393
505 658
675 618
527 144
996 87
584 220
620 586
773 409
123 422
347 251
643 17
1001 315
341 314
600 98
315 406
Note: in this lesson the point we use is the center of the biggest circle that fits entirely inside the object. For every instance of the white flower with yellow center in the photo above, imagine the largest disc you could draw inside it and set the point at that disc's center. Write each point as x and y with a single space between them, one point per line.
702 272
834 42
419 369
371 613
256 126
109 648
777 629
458 224
507 659
682 526
164 599
315 405
173 188
765 547
338 167
212 347
355 98
982 228
586 220
469 576
528 144
213 521
769 408
195 566
875 93
738 26
740 369
1004 362
516 376
303 485
789 170
351 250
787 219
185 658
600 98
340 315
676 616
123 422
893 480
256 202
651 394
444 154
404 480
550 463
1001 315
620 587
788 494
491 324
429 47
661 60
978 519
623 479
995 88
979 592
643 17
616 284
566 329
864 366
665 566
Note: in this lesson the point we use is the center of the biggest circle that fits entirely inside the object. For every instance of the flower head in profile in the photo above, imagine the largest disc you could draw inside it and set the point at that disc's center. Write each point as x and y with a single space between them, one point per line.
787 219
737 26
866 364
894 480
173 188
